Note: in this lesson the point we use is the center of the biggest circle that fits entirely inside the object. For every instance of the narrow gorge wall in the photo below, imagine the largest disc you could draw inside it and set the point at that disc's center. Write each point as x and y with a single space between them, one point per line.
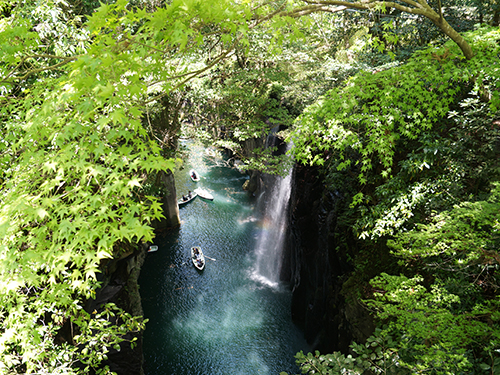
169 202
317 265
119 286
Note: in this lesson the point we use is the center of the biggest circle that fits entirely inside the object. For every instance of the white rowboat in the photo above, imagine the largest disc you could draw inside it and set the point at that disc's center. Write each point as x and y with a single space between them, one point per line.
204 194
194 175
186 199
198 258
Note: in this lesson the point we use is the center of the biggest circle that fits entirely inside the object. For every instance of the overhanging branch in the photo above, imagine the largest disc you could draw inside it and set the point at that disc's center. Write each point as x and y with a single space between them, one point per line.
412 8
418 7
65 61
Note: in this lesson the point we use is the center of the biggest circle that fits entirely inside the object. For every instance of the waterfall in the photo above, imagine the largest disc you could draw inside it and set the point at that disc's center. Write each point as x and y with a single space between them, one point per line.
269 246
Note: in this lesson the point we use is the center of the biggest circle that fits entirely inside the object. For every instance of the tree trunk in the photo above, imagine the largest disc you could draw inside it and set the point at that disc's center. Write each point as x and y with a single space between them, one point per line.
454 35
496 18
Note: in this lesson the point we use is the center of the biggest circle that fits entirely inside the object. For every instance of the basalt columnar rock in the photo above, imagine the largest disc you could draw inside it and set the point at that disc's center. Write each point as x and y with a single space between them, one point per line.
316 265
169 201
119 286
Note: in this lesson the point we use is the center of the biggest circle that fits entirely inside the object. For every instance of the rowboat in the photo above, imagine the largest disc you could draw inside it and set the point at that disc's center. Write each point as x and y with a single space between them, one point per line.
152 248
194 175
187 198
198 258
204 194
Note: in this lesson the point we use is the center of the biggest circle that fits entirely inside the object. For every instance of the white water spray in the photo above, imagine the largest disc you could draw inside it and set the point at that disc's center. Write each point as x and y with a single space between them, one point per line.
269 248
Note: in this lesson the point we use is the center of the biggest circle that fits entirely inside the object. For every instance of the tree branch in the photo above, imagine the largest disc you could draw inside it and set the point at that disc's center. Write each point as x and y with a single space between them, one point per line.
65 61
419 7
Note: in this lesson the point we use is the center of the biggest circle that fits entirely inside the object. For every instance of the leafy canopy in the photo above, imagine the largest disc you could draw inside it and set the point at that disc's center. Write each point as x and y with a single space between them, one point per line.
74 157
74 154
369 113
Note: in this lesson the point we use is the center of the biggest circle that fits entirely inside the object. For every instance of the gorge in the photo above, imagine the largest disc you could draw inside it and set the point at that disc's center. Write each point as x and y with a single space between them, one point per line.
219 318
389 222
282 236
235 316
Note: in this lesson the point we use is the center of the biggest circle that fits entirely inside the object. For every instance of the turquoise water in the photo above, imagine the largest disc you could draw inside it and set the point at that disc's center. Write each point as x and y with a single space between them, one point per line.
225 319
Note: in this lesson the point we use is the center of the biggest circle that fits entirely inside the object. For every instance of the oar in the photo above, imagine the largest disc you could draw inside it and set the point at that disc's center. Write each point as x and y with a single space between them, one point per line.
207 256
187 261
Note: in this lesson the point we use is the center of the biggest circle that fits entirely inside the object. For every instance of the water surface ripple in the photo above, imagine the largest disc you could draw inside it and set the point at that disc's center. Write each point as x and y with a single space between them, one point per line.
221 321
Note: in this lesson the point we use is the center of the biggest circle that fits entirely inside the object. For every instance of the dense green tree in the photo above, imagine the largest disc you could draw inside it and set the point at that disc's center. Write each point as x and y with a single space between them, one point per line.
426 160
370 113
74 155
433 12
77 84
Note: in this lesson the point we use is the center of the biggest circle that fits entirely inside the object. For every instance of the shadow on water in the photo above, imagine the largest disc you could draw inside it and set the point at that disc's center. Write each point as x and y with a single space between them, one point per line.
220 320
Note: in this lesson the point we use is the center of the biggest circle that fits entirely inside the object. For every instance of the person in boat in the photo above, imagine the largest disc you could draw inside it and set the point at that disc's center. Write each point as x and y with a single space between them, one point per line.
184 198
200 263
193 175
189 194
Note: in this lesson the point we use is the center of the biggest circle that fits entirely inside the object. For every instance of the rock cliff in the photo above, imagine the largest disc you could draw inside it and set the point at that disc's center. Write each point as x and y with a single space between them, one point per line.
317 265
119 279
119 285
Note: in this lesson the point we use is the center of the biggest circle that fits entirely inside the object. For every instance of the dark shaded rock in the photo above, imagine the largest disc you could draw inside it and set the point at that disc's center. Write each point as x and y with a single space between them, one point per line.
119 286
254 184
169 202
317 266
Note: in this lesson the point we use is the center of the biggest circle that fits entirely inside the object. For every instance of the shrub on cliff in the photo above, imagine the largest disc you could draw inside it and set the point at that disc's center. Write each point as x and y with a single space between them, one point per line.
422 140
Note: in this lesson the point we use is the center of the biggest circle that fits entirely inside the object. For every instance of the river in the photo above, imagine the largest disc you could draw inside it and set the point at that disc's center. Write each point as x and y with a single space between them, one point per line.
227 319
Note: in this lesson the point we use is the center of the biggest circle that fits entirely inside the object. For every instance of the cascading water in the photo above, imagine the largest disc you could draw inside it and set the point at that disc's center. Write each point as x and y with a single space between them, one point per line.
269 247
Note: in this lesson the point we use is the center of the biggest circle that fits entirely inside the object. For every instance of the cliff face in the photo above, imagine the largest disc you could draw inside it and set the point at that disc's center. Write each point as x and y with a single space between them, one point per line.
119 285
169 202
317 265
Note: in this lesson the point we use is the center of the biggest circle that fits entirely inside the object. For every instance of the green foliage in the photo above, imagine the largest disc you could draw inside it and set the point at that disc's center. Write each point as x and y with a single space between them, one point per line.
444 311
77 159
335 363
438 338
379 355
443 168
373 111
415 148
242 103
463 235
